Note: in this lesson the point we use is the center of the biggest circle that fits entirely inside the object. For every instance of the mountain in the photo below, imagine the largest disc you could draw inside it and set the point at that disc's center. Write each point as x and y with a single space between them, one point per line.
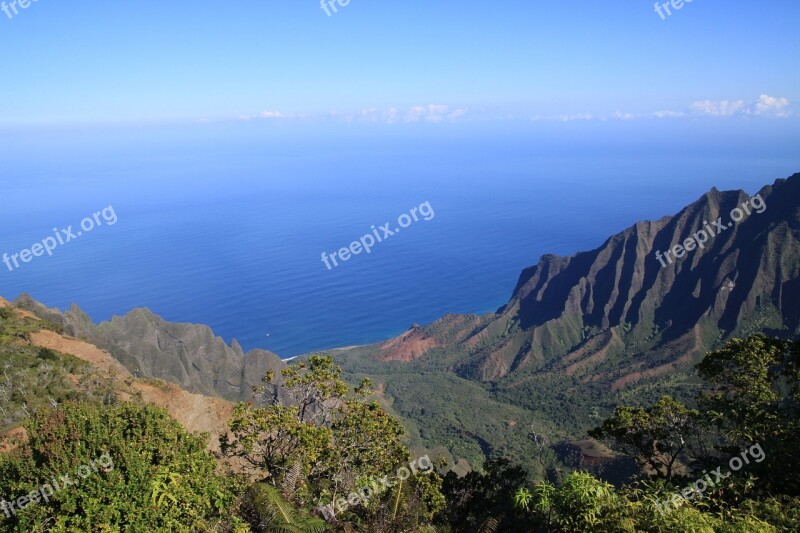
623 323
578 314
91 372
188 355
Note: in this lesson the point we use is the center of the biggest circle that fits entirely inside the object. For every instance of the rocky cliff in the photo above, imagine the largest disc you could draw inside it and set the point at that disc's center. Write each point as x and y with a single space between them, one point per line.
188 355
638 306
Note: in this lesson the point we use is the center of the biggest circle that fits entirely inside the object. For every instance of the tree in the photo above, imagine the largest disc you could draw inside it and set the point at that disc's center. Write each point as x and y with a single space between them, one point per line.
582 503
483 497
656 437
320 442
754 387
750 402
265 507
754 398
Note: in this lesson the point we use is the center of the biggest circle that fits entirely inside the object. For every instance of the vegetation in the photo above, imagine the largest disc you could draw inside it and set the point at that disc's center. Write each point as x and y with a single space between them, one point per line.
324 444
750 403
311 454
438 406
32 377
482 501
656 437
161 479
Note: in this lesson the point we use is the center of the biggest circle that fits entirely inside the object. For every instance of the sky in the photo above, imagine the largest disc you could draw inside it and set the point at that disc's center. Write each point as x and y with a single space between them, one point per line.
389 62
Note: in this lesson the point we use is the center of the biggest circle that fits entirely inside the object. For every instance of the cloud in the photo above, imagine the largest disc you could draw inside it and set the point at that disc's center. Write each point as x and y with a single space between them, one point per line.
669 114
274 115
371 115
576 116
433 113
769 105
565 118
765 105
626 116
725 108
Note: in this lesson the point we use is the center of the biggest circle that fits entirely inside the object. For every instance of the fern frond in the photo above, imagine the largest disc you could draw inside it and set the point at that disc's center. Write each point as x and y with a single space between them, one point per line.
490 525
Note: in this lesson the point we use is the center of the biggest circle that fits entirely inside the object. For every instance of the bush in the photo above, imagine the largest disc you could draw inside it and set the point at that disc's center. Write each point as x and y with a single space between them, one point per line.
162 478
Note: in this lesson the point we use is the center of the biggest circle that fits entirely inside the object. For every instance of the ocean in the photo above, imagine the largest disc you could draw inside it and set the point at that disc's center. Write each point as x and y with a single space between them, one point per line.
224 224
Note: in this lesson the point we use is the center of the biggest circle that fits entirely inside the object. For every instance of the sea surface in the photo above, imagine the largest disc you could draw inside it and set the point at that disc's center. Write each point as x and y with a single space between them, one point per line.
225 224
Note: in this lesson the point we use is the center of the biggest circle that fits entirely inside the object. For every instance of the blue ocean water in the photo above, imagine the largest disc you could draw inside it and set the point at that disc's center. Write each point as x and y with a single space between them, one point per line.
225 224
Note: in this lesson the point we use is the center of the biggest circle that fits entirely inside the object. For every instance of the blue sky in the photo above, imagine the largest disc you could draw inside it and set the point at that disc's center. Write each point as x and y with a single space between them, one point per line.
410 60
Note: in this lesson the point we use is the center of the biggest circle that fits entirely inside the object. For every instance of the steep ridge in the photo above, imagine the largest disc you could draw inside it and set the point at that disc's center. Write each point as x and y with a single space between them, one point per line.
188 355
197 413
622 312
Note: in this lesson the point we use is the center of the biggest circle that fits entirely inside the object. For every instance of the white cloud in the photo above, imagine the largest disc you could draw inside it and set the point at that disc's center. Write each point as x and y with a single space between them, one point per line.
626 116
669 114
769 105
576 116
432 113
273 115
765 105
725 108
566 118
371 115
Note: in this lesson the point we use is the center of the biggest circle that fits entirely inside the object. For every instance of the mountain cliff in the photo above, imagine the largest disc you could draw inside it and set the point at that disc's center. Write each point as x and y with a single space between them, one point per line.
621 324
93 374
189 355
626 310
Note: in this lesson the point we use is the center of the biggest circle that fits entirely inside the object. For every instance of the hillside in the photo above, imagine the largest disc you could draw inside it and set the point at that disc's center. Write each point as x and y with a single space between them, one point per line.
610 325
188 355
580 338
101 374
581 311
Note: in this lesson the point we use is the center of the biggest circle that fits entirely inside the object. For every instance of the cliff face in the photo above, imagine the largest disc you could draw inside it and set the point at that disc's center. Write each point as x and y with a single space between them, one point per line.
626 310
189 355
197 413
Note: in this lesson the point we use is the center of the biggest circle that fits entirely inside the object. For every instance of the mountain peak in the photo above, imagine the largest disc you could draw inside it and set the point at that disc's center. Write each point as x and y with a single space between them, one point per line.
662 292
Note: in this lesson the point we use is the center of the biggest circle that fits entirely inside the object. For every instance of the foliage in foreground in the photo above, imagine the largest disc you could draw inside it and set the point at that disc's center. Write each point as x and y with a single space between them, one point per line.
751 401
32 378
162 477
310 441
327 448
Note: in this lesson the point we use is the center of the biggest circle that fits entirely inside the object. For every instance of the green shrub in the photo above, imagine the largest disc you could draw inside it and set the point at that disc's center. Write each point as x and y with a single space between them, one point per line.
162 479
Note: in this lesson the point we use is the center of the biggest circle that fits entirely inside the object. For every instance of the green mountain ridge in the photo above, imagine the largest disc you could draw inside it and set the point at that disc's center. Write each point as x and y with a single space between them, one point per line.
610 325
189 355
